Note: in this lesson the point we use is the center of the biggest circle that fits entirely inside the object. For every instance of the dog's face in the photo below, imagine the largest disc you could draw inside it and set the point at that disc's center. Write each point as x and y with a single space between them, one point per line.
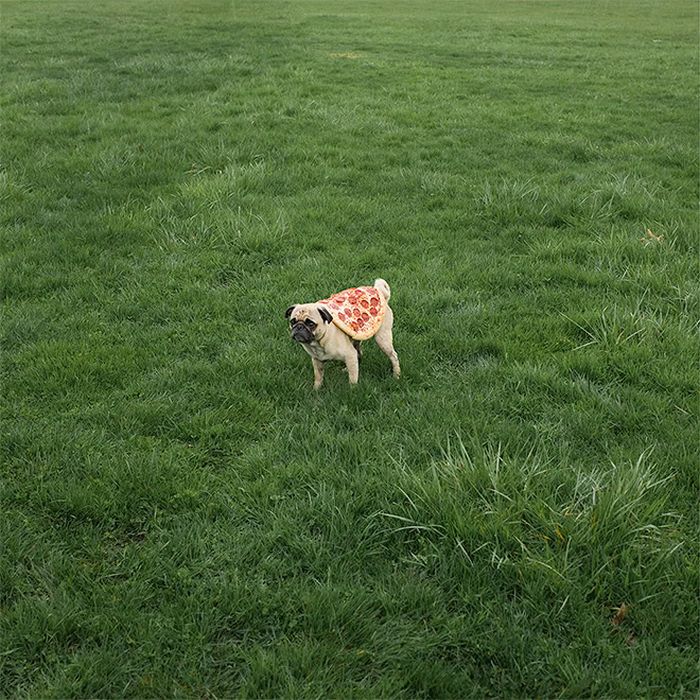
307 322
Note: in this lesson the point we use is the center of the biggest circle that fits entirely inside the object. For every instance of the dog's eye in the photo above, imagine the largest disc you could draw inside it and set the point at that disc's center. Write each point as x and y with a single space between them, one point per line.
292 321
309 323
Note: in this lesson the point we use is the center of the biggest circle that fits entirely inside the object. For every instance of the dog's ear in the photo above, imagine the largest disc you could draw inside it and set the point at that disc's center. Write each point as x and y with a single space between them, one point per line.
325 314
288 312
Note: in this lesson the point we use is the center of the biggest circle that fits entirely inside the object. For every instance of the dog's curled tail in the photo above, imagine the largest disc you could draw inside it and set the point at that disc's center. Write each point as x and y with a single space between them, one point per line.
383 288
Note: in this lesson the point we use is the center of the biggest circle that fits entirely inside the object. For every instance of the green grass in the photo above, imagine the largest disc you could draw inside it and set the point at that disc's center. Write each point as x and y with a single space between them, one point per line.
182 515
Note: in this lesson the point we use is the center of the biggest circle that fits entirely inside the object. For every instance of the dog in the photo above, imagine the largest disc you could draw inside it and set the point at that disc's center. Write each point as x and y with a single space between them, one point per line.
333 328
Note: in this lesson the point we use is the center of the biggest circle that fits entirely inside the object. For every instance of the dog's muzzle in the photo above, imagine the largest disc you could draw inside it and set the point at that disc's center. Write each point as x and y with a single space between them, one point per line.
301 333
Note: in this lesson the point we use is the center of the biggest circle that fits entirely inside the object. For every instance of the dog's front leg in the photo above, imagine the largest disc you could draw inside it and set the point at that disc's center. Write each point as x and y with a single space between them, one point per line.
318 372
353 365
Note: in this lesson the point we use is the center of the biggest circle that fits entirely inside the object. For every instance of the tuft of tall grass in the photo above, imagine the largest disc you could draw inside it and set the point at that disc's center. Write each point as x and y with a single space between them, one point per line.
604 531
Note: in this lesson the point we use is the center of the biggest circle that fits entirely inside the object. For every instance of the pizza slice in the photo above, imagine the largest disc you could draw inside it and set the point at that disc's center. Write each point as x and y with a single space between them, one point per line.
358 311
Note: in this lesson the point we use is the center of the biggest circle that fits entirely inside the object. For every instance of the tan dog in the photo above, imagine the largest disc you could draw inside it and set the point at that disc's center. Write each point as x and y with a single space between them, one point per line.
314 326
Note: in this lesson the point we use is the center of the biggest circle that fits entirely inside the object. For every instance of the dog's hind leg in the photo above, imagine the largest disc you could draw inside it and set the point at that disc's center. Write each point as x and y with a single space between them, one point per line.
385 341
352 362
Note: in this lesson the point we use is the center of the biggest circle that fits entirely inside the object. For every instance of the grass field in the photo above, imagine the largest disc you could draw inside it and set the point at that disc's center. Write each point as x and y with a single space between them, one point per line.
182 516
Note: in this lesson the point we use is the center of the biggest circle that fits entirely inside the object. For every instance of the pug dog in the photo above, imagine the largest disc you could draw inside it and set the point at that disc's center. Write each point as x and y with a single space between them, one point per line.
313 327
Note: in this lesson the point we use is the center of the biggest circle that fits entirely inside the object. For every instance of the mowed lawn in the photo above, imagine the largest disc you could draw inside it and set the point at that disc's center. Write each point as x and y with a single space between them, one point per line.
181 515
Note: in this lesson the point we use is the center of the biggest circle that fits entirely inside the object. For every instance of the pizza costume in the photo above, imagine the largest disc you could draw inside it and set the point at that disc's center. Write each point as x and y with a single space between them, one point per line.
358 311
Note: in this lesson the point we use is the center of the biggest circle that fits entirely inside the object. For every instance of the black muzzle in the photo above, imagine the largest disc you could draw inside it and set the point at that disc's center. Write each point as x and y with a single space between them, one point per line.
301 333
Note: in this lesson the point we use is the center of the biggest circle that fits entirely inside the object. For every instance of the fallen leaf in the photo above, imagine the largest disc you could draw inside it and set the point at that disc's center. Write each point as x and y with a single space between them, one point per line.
650 237
620 614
